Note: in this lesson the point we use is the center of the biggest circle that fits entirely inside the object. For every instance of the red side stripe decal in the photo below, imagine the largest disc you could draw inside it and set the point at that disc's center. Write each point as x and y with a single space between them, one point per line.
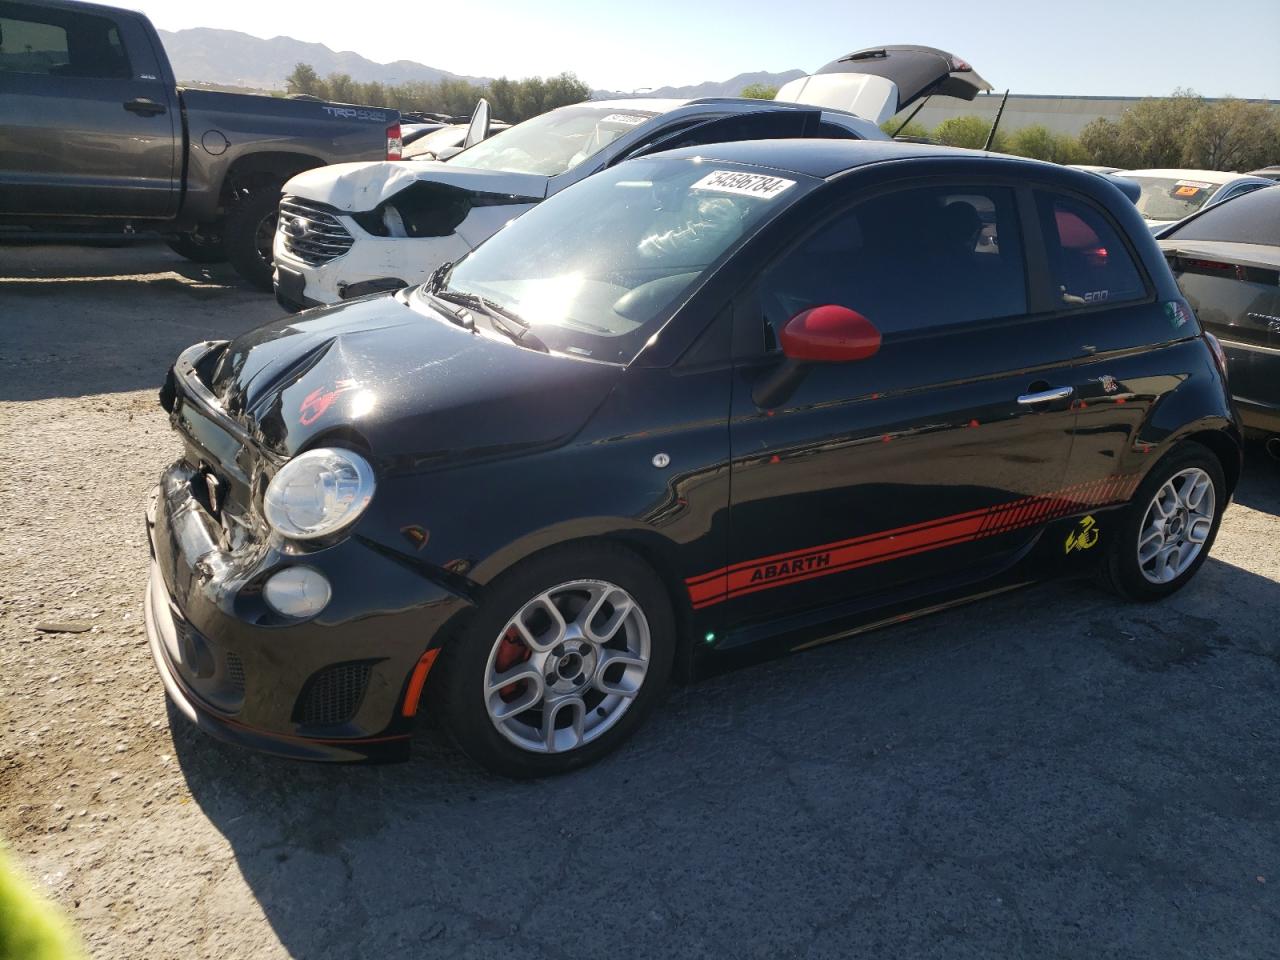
740 579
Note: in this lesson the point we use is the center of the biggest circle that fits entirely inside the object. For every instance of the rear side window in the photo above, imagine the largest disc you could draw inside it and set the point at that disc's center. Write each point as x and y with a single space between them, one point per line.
60 44
1088 262
1254 218
908 260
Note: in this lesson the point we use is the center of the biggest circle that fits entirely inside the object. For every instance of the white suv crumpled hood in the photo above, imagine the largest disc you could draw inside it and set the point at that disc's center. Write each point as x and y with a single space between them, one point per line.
357 187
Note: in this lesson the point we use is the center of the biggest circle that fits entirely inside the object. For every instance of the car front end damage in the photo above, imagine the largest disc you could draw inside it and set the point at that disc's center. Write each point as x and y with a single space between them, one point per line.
322 686
357 229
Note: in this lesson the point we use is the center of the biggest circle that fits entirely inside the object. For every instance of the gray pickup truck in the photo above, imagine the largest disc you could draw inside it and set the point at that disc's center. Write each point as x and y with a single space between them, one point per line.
96 136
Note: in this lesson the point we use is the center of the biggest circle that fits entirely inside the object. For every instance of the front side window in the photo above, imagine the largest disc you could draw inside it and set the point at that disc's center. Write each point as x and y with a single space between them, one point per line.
1088 262
554 142
55 43
597 269
909 260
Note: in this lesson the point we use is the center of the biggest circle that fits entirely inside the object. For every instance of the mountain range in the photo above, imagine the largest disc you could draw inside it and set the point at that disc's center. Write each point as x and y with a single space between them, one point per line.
235 59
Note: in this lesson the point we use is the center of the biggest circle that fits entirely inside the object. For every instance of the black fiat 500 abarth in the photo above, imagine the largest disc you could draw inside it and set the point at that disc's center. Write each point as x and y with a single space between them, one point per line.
707 405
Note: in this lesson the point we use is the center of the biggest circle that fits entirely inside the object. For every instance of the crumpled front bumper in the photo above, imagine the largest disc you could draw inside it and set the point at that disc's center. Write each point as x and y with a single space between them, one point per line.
246 675
369 258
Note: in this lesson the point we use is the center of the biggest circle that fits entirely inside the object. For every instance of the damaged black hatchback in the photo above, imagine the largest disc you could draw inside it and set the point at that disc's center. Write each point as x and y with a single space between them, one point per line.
718 403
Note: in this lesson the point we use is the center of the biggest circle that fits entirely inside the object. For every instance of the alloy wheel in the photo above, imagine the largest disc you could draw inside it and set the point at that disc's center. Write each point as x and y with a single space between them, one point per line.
567 666
1176 525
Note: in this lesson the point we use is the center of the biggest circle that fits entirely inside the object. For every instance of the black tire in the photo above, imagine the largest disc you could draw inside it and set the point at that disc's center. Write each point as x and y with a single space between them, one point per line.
1120 571
250 227
200 246
458 679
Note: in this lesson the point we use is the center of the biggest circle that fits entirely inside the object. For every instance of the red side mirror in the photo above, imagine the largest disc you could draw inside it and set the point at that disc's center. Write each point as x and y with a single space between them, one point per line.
829 334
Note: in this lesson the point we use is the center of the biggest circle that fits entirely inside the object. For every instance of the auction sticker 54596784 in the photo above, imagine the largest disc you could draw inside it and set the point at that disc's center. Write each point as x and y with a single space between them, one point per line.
743 184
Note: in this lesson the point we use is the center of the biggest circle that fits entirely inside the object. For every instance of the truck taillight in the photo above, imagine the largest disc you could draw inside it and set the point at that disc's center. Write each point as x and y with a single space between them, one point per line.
395 146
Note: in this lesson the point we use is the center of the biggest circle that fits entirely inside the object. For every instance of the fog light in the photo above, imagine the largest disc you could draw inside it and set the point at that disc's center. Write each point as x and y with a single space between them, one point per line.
297 592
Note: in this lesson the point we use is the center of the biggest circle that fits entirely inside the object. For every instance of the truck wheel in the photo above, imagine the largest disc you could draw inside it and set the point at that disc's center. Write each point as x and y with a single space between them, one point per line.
250 230
202 245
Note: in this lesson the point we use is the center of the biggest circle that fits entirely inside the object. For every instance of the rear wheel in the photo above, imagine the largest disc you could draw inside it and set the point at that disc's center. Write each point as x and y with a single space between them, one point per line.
250 232
1170 526
202 245
566 657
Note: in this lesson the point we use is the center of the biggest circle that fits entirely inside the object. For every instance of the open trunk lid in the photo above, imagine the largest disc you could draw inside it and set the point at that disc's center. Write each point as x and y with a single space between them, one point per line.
878 82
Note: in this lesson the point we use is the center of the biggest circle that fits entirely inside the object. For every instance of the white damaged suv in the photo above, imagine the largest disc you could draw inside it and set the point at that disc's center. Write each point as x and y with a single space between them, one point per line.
353 229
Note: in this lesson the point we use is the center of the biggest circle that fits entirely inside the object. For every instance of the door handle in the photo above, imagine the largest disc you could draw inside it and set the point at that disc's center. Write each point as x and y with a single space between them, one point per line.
1044 396
144 107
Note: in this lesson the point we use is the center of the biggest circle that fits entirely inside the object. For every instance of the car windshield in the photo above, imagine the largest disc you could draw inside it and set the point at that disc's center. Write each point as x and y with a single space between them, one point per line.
447 136
554 142
597 270
1170 198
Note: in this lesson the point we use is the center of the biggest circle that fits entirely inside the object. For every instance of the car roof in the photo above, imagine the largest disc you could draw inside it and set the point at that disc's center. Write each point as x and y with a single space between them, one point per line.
827 158
644 104
1173 173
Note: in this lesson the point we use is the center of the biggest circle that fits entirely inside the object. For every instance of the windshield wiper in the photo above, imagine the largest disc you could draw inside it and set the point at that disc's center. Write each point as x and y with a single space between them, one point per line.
462 319
502 319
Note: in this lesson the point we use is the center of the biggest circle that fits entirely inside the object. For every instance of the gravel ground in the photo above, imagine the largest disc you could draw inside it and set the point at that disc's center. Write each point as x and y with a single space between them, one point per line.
1048 774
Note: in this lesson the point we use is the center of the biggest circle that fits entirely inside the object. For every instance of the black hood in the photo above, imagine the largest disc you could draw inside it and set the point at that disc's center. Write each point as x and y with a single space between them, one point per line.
411 386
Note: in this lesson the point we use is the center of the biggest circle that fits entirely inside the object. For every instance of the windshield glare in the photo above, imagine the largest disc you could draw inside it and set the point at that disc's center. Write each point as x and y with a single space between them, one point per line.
598 269
1166 198
554 142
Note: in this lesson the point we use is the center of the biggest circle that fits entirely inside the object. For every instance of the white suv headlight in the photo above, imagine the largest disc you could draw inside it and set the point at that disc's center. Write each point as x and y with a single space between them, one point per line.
317 493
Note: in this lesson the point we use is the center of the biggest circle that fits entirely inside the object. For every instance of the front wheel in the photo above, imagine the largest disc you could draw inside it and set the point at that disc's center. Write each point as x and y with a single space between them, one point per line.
250 232
567 655
202 245
1170 526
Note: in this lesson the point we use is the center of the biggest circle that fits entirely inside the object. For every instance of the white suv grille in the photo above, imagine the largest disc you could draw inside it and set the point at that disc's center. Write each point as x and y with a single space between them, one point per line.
312 232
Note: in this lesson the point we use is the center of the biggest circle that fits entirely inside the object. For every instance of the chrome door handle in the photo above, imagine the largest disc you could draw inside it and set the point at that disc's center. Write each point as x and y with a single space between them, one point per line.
1044 396
144 107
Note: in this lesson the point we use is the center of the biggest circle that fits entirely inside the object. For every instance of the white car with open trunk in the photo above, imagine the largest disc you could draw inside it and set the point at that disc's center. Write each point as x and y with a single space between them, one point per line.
349 230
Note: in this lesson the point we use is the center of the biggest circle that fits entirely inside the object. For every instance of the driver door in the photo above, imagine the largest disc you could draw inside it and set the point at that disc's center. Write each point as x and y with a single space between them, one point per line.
930 463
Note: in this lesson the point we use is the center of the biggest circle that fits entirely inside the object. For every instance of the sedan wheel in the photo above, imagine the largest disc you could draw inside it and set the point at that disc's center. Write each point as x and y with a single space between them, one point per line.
567 667
1177 525
1156 545
565 656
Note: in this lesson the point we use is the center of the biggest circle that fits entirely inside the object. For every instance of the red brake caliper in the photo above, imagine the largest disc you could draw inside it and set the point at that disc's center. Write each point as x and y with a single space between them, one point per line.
511 650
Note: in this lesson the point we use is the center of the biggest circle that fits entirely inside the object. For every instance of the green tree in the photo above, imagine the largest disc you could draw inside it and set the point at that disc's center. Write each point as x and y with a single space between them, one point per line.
304 79
511 100
967 131
341 87
1153 132
1232 135
1040 143
758 91
1102 142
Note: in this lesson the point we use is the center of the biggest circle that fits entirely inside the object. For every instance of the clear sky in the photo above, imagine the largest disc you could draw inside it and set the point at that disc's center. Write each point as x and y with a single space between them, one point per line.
1120 47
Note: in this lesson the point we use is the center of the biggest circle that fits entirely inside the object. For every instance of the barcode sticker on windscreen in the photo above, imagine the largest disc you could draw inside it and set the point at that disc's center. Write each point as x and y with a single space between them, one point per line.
630 119
744 184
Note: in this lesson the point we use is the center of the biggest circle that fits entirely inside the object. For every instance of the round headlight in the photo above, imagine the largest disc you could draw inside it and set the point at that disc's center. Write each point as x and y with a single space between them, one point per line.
317 493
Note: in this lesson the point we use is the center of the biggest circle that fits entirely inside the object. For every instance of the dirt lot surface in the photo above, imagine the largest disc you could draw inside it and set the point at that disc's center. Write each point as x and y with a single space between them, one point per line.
1048 774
